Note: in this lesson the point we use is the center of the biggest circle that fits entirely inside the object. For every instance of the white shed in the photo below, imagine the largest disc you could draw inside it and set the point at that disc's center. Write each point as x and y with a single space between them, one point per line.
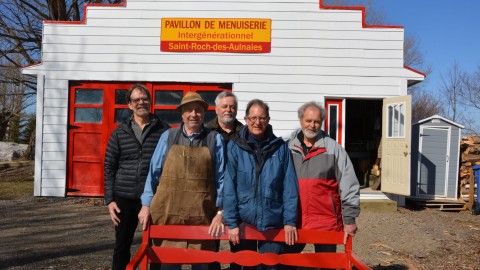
284 52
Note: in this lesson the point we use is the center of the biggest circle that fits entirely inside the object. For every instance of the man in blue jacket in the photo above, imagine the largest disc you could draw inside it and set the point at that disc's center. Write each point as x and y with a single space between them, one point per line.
261 187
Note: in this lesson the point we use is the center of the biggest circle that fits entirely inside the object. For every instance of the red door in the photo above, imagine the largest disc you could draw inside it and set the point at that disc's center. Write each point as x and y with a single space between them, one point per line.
86 139
97 108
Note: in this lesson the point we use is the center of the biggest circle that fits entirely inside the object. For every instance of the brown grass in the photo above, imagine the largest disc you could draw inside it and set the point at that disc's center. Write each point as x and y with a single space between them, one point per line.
16 183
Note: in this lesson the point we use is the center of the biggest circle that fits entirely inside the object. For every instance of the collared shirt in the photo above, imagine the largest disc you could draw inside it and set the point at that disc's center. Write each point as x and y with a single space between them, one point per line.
138 131
156 166
227 136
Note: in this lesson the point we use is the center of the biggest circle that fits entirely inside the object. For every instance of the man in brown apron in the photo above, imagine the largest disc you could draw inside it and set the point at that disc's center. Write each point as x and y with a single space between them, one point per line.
185 182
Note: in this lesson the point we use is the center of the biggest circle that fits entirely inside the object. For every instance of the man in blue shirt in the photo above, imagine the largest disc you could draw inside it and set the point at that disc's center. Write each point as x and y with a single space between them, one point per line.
261 187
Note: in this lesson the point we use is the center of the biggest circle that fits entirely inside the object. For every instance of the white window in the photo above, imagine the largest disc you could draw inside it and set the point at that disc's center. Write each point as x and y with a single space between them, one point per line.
396 120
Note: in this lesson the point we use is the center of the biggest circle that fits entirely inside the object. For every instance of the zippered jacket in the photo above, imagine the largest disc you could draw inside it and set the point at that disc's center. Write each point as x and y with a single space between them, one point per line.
261 187
127 160
329 189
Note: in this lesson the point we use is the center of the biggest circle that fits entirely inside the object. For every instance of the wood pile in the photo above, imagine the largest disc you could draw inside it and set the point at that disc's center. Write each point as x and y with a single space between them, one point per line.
470 156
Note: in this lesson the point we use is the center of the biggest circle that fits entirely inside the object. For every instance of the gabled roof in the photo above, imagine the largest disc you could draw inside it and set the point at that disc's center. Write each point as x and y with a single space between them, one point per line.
438 117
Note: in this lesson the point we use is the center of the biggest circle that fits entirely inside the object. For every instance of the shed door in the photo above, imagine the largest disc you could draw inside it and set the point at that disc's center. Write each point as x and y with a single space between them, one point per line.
433 161
396 134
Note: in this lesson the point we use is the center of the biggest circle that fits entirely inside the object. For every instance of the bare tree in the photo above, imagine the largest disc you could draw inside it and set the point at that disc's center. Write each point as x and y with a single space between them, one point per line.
425 105
21 31
471 90
13 102
451 89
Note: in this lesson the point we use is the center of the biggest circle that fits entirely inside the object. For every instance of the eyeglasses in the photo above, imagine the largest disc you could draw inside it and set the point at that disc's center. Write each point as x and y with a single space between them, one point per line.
137 100
255 118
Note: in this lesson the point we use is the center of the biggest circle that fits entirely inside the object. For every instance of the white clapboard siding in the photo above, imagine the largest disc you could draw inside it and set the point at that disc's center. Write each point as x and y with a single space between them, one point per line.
56 129
54 111
53 156
245 61
223 69
309 89
57 119
54 138
55 165
316 54
54 147
51 192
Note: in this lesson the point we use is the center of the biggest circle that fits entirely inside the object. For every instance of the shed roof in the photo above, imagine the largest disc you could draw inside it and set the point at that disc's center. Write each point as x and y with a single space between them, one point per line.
438 117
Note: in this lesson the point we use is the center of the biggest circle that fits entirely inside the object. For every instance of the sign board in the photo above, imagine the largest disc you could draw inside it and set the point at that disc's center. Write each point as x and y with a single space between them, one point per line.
235 35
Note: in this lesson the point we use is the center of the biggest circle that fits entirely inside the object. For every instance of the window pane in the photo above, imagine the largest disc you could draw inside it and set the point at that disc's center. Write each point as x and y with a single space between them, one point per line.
88 115
209 96
396 121
332 122
122 115
169 116
209 115
88 96
390 121
402 121
168 97
120 97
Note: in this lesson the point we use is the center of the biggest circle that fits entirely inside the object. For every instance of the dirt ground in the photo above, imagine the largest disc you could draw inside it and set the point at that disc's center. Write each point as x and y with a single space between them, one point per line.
76 233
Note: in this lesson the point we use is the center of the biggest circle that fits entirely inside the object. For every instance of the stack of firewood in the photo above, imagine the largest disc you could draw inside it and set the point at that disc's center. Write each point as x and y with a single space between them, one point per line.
470 156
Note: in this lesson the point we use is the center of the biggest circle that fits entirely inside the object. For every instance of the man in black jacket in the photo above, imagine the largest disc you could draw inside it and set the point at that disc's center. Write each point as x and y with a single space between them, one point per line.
127 159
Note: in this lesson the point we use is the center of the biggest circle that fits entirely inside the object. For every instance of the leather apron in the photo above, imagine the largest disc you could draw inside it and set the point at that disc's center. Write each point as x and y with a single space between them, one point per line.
186 193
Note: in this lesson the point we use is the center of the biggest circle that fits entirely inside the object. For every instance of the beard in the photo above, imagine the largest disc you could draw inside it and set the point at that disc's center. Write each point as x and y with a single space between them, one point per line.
227 120
310 134
142 111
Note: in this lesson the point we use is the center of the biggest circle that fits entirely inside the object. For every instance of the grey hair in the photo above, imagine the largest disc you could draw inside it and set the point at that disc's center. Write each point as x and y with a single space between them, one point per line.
259 103
225 94
317 105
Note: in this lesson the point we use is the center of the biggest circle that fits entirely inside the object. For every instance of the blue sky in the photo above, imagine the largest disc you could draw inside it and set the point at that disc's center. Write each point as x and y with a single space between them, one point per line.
447 31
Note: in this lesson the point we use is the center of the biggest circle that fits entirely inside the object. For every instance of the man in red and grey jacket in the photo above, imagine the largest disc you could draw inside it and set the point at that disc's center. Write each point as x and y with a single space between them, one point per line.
329 189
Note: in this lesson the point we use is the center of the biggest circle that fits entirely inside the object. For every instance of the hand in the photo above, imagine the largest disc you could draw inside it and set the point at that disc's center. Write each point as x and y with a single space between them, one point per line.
349 229
216 228
113 210
144 216
234 236
291 235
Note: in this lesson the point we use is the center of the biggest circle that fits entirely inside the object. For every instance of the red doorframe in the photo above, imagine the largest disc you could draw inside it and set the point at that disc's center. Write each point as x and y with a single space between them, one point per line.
334 127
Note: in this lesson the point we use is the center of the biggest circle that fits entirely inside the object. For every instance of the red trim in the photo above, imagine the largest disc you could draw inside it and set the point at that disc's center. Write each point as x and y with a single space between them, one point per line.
414 70
84 19
314 152
361 8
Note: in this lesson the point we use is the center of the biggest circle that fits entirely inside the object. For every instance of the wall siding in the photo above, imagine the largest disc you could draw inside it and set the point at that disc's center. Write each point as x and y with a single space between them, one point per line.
315 54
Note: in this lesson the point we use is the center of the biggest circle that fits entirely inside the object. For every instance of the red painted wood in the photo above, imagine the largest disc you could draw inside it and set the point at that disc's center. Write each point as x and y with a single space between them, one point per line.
155 254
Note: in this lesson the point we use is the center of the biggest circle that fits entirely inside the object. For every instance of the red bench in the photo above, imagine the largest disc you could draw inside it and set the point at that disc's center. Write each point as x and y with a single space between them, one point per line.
152 254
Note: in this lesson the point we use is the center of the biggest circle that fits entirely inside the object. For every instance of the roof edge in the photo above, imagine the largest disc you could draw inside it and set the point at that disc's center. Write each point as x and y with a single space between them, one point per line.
361 8
436 116
85 8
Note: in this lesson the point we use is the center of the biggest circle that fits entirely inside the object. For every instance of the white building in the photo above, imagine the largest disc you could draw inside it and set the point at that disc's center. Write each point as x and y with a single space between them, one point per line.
283 52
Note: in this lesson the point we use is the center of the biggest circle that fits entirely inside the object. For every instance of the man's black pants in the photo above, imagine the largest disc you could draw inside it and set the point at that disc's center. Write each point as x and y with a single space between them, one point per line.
125 231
